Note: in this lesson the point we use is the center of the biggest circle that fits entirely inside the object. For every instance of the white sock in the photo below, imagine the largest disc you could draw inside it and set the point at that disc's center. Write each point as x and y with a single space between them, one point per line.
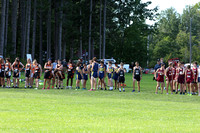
123 89
119 89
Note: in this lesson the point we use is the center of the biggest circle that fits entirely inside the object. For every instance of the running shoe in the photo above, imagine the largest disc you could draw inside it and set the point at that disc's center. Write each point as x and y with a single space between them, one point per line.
43 88
90 90
133 90
48 88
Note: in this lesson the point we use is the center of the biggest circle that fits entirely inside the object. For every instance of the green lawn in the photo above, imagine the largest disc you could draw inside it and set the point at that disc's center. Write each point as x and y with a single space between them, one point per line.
29 110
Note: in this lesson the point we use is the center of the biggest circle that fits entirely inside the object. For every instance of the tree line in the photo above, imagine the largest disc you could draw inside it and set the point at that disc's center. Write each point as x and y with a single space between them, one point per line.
75 28
171 38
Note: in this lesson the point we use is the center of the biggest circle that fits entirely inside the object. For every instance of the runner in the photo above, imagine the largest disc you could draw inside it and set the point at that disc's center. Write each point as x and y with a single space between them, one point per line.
189 76
70 74
85 76
28 73
110 75
121 71
59 74
137 76
37 73
17 66
90 71
194 83
181 78
160 79
102 70
2 72
48 67
79 75
94 75
169 77
116 76
8 72
174 77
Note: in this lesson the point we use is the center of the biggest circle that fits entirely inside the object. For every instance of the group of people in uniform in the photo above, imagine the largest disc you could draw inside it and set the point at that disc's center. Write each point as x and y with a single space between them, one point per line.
187 77
54 74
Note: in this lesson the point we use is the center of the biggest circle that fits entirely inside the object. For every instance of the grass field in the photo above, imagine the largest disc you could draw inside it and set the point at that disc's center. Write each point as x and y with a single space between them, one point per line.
29 110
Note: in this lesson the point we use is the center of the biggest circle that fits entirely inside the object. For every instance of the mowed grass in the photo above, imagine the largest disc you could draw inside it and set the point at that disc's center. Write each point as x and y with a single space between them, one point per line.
29 110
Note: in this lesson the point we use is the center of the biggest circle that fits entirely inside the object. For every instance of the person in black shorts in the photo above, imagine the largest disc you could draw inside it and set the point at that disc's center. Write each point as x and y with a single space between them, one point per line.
37 73
28 73
70 74
137 76
17 66
2 72
121 72
8 72
48 67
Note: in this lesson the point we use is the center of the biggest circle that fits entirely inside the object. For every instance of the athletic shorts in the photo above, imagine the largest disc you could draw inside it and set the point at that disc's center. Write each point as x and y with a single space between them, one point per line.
198 79
121 79
160 79
61 77
109 75
181 80
78 77
70 75
169 79
85 76
16 75
36 75
2 74
101 75
27 73
137 78
8 74
188 81
47 75
94 74
115 76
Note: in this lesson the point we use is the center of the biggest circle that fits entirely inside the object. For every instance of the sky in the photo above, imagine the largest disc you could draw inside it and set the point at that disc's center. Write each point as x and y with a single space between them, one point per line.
179 5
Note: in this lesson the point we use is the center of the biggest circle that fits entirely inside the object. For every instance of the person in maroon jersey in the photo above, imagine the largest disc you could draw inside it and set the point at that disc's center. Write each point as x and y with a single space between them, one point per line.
173 78
160 78
189 79
169 78
194 83
181 78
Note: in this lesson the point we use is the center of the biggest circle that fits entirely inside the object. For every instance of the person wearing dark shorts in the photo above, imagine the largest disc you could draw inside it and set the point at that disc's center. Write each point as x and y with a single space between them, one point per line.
121 72
48 67
160 78
28 73
37 73
70 74
8 72
2 72
181 78
17 66
137 76
85 76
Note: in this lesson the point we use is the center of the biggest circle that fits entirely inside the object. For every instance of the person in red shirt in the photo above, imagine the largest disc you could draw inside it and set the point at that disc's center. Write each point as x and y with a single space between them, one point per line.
194 83
160 78
181 78
169 77
189 79
174 77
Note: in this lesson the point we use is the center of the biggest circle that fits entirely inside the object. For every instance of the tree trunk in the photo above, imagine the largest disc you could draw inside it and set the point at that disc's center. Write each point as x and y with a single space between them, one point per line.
56 31
40 53
60 30
64 50
104 29
6 28
92 47
49 31
34 28
90 26
81 45
28 25
23 28
3 11
100 31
